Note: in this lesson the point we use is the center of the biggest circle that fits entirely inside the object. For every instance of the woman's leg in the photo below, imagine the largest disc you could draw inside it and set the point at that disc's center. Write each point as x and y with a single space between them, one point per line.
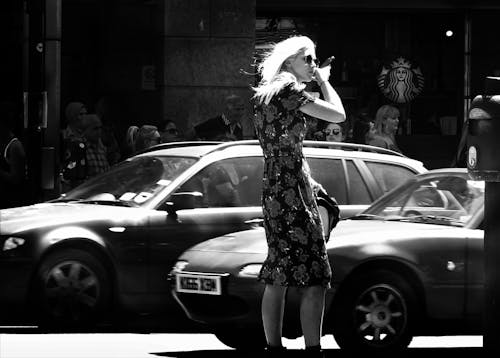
311 314
273 306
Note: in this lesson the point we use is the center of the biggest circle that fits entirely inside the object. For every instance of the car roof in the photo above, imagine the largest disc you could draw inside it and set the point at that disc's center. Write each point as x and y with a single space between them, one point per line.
251 147
444 171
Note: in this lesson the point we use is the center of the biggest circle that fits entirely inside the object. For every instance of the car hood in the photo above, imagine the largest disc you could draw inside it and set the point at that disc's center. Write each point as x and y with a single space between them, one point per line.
354 232
347 233
56 214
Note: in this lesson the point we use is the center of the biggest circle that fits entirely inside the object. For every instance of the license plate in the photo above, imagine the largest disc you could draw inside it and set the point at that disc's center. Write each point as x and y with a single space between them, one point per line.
201 284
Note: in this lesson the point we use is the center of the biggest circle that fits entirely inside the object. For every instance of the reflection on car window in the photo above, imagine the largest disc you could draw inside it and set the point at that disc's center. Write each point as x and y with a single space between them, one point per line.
388 176
228 183
136 180
452 198
358 191
330 174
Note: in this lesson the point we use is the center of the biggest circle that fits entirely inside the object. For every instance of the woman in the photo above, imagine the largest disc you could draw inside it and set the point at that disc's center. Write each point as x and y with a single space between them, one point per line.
334 132
147 136
386 127
169 132
296 249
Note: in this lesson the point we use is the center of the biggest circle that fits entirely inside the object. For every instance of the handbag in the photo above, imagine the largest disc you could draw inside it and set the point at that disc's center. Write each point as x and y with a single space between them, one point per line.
331 207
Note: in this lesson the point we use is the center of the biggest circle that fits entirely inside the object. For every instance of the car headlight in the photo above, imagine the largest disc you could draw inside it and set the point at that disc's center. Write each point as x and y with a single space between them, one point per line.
250 270
12 242
179 265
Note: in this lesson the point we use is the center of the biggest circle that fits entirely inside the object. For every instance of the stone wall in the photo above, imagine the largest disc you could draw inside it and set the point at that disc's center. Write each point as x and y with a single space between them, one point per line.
206 44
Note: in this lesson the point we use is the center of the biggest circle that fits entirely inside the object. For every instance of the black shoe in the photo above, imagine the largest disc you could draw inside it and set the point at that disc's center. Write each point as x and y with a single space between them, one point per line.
314 352
275 351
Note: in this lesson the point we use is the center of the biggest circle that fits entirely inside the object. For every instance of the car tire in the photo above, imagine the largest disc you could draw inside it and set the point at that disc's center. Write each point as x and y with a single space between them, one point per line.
73 289
375 312
241 338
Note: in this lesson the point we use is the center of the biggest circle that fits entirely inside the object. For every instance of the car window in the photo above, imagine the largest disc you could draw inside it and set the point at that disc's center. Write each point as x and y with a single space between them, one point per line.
136 180
453 198
358 190
330 174
388 176
228 183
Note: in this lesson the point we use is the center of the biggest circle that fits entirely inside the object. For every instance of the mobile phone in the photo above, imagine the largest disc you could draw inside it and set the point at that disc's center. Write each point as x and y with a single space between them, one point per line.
327 61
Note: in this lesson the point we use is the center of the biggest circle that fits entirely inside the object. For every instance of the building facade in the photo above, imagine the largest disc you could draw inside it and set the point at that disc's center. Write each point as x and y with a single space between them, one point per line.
139 61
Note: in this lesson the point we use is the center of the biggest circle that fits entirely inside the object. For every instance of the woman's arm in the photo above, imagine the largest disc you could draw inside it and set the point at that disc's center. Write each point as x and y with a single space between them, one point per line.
331 108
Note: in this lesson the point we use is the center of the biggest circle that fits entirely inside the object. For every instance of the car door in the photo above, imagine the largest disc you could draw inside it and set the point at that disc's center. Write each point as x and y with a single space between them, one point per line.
230 201
343 180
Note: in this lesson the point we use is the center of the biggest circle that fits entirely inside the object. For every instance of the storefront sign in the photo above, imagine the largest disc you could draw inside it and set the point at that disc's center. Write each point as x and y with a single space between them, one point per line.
401 82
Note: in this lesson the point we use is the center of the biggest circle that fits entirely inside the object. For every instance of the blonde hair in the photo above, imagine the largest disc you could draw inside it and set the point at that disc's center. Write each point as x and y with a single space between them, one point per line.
384 112
273 76
130 137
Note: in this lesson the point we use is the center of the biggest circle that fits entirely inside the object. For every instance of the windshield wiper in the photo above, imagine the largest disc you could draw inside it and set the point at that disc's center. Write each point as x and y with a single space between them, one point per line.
366 217
431 219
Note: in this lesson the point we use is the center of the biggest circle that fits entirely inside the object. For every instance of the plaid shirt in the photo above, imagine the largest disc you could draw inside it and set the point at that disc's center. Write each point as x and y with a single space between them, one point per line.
97 161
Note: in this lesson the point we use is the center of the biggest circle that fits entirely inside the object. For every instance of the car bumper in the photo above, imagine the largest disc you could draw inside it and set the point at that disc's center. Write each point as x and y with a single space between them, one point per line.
239 301
15 278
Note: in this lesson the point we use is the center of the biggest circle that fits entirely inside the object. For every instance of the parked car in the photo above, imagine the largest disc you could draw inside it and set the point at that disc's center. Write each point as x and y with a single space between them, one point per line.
110 242
411 264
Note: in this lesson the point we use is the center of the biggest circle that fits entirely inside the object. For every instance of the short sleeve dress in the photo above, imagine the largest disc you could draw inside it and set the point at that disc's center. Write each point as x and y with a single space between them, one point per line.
296 248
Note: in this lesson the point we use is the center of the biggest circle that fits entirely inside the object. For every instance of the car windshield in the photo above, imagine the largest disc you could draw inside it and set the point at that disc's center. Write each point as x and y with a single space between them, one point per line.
445 200
132 182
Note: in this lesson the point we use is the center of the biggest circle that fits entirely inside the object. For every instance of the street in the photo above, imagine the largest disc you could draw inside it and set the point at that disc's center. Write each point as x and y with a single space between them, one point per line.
22 345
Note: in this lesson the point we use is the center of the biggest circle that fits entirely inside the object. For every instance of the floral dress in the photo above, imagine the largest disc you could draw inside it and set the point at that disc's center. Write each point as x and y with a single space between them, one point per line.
296 248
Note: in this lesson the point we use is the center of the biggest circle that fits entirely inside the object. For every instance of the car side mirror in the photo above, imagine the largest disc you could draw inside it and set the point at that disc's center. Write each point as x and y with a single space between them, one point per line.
183 200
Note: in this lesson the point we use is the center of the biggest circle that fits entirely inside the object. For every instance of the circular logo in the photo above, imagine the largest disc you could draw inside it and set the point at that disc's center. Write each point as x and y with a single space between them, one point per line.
472 157
400 82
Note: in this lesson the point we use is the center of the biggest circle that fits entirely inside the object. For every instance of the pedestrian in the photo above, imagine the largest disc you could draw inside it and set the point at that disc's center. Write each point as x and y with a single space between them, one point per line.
226 126
73 114
13 176
169 132
108 131
95 152
334 132
386 127
312 130
297 254
147 136
129 141
74 165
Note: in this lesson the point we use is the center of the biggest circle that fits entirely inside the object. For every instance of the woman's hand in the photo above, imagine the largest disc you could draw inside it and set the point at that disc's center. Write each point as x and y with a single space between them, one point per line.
322 74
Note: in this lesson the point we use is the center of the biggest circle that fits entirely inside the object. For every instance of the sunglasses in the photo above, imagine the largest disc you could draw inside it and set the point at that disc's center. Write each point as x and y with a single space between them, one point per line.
172 131
311 60
331 131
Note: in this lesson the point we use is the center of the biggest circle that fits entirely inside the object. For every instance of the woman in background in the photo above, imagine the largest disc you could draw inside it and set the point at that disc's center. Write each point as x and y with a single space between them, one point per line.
386 127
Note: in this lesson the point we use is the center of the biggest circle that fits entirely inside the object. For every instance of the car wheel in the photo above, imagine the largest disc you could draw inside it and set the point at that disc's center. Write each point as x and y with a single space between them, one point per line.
240 338
73 289
374 312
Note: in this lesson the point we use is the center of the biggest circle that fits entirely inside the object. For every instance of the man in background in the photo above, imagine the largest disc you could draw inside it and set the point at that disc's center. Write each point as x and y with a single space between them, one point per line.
96 154
226 126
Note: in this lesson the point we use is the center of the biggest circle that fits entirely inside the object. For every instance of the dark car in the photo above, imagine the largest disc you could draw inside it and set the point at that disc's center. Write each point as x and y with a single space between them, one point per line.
108 245
411 264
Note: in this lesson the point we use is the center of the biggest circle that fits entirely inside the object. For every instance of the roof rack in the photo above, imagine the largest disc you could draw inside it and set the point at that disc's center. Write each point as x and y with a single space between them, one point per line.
313 143
178 145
